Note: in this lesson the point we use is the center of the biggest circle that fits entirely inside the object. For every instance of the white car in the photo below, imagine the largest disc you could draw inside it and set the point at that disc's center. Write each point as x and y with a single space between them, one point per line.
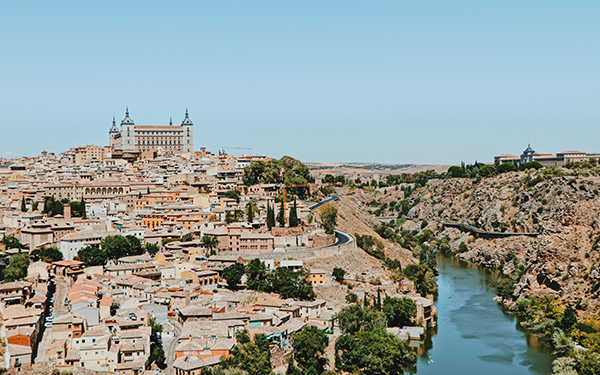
48 325
49 318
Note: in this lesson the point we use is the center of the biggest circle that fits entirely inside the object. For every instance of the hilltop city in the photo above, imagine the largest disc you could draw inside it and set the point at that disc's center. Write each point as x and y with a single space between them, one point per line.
147 256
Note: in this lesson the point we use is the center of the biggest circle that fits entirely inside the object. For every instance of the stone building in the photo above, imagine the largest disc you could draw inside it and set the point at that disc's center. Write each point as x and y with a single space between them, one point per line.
146 138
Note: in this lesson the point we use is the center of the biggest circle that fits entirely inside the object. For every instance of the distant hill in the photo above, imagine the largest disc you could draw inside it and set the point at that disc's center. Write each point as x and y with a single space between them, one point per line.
354 170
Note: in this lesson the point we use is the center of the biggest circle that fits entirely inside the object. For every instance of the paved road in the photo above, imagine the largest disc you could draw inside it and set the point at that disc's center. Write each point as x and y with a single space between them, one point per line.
326 200
170 344
41 356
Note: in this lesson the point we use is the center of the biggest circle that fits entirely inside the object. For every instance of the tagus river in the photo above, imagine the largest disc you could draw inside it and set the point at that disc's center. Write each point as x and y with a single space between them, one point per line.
474 335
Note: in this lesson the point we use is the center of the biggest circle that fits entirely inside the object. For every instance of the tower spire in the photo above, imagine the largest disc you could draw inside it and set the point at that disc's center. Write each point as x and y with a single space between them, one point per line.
171 121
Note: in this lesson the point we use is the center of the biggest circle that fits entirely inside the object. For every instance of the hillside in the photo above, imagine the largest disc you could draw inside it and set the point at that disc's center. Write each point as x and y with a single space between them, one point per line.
562 260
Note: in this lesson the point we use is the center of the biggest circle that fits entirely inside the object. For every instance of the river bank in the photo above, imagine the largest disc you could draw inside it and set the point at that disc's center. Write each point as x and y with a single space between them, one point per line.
474 334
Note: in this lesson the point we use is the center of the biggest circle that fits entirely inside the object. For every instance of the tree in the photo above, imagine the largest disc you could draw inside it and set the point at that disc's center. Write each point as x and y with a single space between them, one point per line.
252 356
292 284
309 347
293 220
134 246
569 319
83 210
187 237
92 256
399 311
425 281
229 217
456 171
270 216
506 167
292 369
356 318
338 274
372 352
115 247
506 288
209 242
256 273
152 248
23 205
12 242
250 210
50 254
232 194
329 218
17 267
233 274
34 206
281 215
158 356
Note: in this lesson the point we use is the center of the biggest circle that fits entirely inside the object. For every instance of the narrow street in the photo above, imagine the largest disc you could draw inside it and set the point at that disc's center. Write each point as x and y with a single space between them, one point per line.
170 344
59 309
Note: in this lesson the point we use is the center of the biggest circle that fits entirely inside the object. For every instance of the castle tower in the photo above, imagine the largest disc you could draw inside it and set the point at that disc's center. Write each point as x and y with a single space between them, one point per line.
127 133
113 139
188 133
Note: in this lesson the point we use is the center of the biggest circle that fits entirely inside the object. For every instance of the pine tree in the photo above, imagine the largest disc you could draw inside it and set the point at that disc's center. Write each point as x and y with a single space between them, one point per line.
250 212
148 191
281 216
23 205
293 215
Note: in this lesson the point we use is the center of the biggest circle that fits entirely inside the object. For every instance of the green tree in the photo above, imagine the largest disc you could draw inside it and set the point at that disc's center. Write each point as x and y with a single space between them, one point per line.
50 254
251 210
291 368
187 237
233 274
293 220
229 217
309 348
34 206
134 246
281 215
232 194
17 267
506 167
256 275
23 205
152 248
399 311
270 216
425 281
12 242
92 256
292 284
251 356
506 288
158 356
356 318
373 352
115 247
209 242
338 274
329 218
569 319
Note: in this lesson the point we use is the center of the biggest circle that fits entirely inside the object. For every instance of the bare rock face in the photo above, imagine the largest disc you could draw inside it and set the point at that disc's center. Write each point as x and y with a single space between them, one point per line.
563 260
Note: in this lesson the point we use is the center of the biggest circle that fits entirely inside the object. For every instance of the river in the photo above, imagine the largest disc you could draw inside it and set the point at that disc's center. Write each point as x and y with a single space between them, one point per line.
474 335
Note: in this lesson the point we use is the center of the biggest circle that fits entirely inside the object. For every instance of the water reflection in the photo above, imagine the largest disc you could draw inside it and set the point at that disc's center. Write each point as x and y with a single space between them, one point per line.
474 335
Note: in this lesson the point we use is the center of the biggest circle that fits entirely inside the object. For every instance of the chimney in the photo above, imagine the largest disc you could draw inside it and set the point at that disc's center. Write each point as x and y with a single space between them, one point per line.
67 212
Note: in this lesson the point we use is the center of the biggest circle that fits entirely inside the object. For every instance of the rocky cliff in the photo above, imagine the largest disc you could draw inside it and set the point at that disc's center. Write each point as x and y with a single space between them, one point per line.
561 260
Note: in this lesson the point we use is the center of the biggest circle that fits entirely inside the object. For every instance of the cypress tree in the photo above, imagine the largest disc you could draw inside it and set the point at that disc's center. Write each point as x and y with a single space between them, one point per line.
281 216
270 216
293 221
83 214
23 205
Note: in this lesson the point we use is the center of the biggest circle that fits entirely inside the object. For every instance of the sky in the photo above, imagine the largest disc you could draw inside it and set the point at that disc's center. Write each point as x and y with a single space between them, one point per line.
426 82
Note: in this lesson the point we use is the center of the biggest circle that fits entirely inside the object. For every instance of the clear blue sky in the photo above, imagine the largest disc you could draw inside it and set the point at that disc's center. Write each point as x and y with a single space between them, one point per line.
331 81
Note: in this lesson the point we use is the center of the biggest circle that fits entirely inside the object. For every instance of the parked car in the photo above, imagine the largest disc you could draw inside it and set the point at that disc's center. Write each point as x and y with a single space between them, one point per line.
171 313
66 302
48 325
50 318
52 300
